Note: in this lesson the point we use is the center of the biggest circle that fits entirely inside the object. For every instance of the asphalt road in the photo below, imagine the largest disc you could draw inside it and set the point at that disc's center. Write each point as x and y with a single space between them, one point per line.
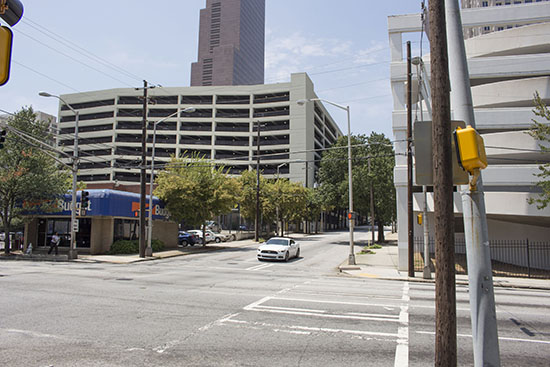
227 309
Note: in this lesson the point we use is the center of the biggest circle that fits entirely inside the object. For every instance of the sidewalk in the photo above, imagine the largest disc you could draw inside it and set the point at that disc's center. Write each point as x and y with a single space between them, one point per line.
383 264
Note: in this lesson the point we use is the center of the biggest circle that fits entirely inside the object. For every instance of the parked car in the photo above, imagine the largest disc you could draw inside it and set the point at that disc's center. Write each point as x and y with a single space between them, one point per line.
198 232
218 237
185 238
279 248
213 226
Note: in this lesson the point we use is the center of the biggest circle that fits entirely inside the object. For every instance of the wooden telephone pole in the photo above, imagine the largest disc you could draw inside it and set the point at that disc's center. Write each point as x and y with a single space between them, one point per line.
445 297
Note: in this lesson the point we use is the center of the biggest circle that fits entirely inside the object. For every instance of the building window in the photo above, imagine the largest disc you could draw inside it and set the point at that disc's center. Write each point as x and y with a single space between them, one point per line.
126 229
485 3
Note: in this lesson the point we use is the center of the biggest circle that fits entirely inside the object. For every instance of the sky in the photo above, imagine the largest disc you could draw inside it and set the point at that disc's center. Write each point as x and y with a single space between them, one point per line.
68 46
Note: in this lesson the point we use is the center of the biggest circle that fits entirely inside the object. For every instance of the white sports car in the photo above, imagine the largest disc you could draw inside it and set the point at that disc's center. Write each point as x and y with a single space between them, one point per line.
279 248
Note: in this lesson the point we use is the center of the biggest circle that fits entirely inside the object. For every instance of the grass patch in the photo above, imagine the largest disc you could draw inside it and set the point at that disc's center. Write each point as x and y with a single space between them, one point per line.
369 249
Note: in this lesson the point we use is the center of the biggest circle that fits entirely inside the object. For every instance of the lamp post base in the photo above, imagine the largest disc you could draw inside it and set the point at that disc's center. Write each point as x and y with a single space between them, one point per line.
148 251
427 273
351 259
72 254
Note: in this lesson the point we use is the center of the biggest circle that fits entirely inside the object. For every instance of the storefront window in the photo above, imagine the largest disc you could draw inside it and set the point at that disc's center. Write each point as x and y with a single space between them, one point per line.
47 227
126 229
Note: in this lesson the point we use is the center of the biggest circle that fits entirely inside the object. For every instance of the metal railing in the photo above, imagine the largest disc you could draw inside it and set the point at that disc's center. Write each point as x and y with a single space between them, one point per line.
509 258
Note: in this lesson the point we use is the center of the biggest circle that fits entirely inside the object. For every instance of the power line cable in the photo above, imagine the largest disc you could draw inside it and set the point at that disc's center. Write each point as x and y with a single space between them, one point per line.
64 41
72 58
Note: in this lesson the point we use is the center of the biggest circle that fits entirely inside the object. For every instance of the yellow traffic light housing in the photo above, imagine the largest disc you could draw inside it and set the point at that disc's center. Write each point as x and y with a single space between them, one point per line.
6 38
470 152
470 149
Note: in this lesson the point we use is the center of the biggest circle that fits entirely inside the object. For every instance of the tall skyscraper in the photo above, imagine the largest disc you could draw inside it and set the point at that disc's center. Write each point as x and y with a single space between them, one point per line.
231 43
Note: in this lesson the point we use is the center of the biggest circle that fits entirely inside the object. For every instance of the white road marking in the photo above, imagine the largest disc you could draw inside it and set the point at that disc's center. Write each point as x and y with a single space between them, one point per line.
33 333
499 338
402 349
317 329
259 267
259 307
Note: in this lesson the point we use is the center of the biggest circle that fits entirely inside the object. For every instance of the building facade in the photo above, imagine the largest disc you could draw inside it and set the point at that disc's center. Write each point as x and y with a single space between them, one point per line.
506 69
231 43
223 128
496 27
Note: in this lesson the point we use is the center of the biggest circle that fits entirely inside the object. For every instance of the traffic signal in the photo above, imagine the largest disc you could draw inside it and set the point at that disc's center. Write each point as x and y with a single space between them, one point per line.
84 199
470 149
11 11
2 138
6 38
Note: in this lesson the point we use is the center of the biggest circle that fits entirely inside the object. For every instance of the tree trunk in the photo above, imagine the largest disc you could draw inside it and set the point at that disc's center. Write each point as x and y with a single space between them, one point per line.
381 237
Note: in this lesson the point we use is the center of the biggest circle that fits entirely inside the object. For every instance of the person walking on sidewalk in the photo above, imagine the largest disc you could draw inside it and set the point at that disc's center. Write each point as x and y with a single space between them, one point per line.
54 243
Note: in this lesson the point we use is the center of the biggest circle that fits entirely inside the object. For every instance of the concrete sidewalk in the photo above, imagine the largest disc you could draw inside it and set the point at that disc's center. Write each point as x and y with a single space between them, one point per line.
383 264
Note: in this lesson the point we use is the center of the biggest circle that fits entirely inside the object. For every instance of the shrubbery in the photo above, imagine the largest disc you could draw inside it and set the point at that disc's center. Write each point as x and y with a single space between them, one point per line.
132 247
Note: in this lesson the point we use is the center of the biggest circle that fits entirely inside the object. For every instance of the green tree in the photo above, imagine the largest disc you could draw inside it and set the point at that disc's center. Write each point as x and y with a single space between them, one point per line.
195 191
380 175
30 179
289 199
541 132
247 198
333 176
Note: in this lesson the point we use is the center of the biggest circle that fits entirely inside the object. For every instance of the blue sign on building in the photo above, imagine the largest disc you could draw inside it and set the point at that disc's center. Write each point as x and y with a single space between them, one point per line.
112 203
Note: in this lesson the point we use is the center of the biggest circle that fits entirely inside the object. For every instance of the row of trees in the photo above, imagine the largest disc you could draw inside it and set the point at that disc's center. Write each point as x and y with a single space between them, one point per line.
195 191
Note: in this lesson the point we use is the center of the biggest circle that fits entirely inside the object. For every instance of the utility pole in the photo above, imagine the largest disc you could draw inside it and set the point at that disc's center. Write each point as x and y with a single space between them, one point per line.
257 220
445 288
371 194
480 275
142 198
410 222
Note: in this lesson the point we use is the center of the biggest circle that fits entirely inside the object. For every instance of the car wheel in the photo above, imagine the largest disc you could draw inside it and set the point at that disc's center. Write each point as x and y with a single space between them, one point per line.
298 253
183 243
218 240
287 256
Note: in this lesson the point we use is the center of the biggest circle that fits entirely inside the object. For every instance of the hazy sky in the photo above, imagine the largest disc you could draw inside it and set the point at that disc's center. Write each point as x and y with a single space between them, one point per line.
67 46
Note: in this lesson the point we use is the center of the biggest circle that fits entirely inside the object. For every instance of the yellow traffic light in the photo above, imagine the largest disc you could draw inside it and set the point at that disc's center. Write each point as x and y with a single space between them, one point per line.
471 150
6 38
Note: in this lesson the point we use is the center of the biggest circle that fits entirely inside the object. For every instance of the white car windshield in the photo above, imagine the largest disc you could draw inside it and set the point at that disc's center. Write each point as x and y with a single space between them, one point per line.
277 241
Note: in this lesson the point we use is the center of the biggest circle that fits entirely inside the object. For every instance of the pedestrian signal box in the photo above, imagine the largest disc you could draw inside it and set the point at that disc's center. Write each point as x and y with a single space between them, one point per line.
470 149
6 38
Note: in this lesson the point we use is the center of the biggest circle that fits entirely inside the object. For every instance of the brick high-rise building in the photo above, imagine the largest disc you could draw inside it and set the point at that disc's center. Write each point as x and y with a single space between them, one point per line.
231 43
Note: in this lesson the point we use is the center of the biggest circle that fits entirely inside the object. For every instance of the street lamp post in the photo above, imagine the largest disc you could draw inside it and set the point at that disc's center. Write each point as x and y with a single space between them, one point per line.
277 207
301 102
72 246
149 249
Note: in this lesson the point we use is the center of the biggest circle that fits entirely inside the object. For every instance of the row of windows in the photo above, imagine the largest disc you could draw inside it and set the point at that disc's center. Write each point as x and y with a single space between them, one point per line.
267 169
172 100
184 125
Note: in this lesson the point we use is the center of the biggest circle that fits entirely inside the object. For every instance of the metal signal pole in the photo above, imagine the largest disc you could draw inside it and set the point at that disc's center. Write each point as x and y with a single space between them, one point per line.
410 220
480 275
257 225
445 293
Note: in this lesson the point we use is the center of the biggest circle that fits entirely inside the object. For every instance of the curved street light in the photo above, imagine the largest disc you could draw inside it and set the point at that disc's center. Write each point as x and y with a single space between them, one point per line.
72 246
301 102
149 249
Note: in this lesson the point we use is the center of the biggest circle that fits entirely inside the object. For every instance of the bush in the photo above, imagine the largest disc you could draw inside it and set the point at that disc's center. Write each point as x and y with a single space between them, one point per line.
132 247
